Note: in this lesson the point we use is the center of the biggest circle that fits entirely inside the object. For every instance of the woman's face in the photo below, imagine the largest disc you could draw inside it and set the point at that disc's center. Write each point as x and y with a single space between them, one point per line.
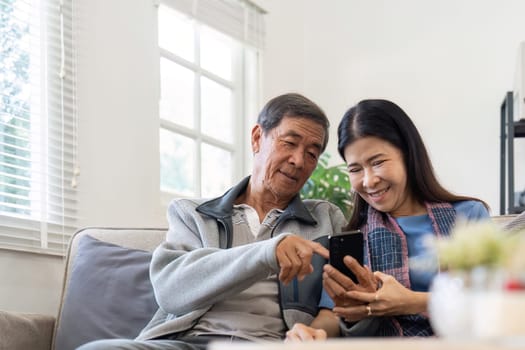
378 174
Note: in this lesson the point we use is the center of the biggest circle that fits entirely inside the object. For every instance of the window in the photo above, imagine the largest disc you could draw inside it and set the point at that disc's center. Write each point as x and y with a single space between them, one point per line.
37 126
209 59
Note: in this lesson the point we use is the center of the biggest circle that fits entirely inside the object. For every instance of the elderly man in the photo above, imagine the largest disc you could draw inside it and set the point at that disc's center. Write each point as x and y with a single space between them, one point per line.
246 265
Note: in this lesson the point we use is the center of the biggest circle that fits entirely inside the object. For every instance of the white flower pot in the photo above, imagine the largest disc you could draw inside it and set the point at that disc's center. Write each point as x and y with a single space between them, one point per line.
449 307
472 305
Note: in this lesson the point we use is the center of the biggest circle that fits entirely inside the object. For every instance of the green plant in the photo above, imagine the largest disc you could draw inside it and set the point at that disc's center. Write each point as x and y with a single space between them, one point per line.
329 183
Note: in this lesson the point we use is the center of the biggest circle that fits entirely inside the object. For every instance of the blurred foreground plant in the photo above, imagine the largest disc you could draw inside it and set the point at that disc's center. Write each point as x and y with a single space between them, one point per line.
482 244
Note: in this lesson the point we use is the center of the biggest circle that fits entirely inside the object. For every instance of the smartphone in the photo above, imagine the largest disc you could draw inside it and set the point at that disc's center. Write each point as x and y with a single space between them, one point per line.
342 244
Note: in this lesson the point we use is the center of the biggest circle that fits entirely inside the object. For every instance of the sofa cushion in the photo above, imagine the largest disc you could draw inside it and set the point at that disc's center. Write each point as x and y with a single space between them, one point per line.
109 294
516 224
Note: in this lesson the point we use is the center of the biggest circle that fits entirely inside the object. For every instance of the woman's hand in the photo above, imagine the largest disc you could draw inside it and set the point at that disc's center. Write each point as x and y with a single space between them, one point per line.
337 284
390 300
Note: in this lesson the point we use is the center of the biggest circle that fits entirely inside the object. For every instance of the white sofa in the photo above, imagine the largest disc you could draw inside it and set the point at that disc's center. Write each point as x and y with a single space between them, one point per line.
90 289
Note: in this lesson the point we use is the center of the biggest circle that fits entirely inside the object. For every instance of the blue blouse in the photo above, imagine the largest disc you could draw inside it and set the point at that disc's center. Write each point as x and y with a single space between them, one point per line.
423 264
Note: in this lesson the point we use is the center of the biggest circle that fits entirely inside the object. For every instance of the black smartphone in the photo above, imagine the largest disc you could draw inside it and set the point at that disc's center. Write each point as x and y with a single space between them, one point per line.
342 244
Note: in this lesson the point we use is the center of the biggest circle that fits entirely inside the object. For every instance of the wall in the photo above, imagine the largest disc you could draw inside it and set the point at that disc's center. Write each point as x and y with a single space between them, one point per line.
447 63
118 114
30 282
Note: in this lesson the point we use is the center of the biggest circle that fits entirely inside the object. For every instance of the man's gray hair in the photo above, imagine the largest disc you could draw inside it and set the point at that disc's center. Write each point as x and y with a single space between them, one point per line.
292 105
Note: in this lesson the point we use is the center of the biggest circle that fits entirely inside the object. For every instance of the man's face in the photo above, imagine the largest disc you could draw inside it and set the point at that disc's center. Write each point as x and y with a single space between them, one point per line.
286 156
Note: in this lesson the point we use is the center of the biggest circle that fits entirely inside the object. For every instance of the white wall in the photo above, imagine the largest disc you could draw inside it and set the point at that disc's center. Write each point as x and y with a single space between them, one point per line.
30 282
118 114
447 63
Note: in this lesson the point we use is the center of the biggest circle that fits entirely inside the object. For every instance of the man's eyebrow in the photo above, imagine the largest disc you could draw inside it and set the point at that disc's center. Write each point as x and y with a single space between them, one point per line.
292 133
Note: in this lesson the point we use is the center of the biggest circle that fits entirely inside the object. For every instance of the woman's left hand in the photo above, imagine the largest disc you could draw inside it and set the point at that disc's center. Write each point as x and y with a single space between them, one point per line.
337 285
391 299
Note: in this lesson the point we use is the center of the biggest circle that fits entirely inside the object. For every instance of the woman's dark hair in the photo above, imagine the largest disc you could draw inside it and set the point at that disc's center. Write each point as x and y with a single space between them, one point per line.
387 121
292 105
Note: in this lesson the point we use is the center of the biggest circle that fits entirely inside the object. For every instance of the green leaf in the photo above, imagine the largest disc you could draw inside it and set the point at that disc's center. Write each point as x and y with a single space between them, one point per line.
329 183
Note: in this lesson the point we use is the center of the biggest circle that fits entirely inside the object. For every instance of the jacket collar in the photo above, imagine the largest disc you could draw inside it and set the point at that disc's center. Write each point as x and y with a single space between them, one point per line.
222 207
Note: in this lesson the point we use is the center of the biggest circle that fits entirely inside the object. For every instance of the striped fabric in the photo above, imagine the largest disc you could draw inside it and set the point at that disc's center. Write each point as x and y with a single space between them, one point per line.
516 224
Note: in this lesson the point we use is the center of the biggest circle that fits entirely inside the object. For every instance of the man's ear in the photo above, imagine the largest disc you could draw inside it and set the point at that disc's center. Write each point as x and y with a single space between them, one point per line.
257 132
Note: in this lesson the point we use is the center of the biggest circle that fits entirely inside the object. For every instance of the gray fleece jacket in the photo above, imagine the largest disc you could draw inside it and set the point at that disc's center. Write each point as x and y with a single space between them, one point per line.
197 266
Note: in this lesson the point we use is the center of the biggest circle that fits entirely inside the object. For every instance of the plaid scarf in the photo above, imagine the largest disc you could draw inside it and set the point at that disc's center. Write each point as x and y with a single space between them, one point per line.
386 251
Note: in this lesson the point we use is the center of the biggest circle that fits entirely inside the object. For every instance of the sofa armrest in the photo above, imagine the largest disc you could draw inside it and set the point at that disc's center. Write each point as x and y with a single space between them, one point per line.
26 331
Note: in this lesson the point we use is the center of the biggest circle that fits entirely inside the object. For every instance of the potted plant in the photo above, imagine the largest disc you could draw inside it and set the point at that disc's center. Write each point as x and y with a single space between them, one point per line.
482 286
329 183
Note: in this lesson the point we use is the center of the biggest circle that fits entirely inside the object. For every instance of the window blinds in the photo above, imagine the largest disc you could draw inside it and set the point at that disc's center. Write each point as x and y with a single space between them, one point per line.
240 19
38 127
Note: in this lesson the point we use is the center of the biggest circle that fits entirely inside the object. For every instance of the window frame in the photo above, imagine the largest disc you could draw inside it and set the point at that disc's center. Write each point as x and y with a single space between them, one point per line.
243 110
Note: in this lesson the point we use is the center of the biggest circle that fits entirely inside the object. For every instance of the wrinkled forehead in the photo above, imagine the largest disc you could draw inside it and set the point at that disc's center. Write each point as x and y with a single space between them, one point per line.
302 127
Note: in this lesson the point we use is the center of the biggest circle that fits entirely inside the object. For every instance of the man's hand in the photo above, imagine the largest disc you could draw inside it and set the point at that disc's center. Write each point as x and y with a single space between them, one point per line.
301 332
294 256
